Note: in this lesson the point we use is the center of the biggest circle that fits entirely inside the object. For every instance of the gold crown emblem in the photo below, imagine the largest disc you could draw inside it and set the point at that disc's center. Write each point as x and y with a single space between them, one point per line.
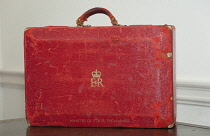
96 73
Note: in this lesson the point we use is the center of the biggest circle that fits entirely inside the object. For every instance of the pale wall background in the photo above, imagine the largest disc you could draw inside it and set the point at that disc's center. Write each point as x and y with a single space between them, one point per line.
191 18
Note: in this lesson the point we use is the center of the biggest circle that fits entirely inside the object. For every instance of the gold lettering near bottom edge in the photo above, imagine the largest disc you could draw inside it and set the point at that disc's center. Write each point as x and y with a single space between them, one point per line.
101 120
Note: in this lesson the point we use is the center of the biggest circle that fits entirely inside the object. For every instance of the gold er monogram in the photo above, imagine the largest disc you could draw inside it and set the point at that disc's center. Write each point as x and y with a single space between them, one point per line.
96 81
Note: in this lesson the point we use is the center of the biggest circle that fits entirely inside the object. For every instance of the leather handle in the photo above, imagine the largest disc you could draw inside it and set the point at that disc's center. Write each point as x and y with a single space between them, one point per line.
93 11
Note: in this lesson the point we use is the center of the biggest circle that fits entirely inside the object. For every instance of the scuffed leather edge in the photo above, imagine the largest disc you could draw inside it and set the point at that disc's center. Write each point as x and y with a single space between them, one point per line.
170 27
171 125
28 122
25 29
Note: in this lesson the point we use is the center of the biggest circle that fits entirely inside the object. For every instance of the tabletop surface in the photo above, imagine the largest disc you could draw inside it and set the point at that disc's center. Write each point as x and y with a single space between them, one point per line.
19 127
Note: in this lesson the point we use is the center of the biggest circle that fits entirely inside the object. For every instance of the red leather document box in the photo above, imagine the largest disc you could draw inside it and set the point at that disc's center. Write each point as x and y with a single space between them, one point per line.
110 76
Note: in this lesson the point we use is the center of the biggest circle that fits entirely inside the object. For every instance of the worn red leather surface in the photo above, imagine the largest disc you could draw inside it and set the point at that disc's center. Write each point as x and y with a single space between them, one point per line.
117 76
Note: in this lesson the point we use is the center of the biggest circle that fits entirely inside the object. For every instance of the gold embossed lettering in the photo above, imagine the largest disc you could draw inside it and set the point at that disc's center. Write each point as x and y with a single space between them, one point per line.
96 81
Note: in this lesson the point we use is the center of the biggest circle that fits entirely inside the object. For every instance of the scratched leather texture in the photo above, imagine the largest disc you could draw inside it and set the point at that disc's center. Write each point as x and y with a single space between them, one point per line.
135 65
